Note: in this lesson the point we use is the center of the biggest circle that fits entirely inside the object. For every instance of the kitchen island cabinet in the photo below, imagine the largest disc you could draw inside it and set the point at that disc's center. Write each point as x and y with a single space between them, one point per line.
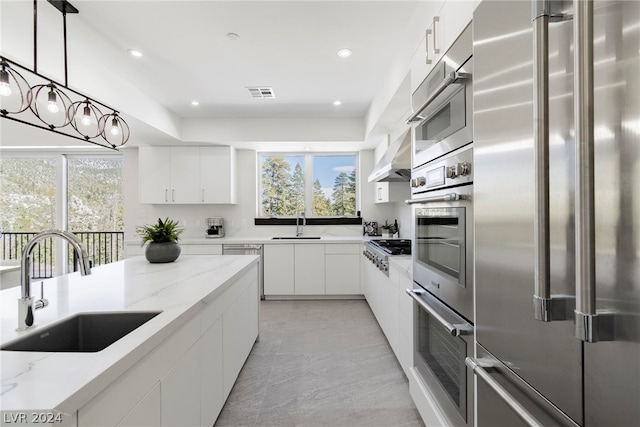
176 369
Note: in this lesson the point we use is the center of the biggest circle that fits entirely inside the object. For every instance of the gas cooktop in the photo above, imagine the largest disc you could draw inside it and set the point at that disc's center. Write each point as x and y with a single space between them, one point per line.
392 246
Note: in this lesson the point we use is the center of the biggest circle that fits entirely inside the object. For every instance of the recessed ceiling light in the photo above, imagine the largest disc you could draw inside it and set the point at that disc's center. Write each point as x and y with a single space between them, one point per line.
336 103
232 36
195 103
344 53
134 52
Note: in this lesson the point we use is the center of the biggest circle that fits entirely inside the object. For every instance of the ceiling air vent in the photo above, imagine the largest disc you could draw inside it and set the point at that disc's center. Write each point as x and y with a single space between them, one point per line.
261 92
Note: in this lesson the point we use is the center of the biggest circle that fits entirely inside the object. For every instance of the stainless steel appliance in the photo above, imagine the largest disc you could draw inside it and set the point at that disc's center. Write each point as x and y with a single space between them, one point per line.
441 195
248 249
378 251
442 104
556 185
215 227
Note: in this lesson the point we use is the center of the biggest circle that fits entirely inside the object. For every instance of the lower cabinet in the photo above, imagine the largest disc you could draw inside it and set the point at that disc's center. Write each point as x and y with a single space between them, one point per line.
312 269
212 395
309 269
279 273
146 413
186 379
342 269
180 391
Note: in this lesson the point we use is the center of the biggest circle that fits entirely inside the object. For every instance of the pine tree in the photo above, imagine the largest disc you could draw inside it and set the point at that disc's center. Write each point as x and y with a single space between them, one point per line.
340 194
321 205
296 191
276 183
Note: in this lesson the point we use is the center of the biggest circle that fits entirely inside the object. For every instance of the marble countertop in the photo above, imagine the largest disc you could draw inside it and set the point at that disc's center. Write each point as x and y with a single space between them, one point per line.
64 382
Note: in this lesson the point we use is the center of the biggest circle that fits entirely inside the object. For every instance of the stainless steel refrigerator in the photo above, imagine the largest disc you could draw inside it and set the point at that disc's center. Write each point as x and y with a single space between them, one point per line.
557 213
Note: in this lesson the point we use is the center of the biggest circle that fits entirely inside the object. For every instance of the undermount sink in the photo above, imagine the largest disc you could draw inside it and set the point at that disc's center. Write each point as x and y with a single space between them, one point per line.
83 333
296 238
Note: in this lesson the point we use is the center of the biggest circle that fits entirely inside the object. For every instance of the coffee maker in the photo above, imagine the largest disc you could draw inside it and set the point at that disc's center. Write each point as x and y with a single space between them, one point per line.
215 228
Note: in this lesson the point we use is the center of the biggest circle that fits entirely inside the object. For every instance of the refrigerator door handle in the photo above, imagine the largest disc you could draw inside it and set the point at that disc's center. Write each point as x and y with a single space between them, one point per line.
513 403
546 307
591 326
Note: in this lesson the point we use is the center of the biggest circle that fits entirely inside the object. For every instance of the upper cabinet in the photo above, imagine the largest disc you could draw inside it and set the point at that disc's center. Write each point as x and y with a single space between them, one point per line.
187 175
218 175
441 30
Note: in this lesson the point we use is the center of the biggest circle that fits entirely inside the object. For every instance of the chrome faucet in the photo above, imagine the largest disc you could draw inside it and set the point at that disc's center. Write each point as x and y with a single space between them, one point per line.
299 227
26 304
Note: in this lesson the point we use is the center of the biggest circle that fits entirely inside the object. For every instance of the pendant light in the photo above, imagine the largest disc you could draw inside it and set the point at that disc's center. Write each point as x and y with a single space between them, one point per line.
55 105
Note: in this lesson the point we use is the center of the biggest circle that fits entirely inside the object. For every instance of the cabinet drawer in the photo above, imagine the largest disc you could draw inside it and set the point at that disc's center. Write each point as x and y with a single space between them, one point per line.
342 248
207 249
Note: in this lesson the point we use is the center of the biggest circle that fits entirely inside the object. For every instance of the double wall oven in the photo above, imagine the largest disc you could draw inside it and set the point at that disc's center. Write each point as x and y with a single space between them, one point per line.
442 205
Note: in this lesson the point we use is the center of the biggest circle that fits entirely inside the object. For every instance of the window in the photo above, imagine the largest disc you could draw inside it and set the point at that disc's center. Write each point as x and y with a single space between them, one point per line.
82 194
321 185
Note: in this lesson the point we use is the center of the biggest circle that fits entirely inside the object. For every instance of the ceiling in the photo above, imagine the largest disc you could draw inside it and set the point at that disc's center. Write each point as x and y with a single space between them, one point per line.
290 46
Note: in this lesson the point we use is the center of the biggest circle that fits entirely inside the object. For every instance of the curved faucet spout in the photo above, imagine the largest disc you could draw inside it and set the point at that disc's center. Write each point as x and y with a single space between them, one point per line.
26 305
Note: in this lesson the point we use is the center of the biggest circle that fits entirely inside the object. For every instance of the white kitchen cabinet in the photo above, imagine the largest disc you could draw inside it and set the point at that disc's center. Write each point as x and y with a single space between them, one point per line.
218 175
405 318
239 331
444 24
169 174
211 380
390 192
204 249
309 269
454 18
187 175
425 56
146 413
279 264
154 169
180 391
342 269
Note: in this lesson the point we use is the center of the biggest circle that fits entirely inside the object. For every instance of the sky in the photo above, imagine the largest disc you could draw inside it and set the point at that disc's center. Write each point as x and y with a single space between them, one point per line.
325 168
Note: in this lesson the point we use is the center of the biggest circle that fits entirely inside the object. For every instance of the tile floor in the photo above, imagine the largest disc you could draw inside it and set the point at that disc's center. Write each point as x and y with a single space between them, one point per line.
320 363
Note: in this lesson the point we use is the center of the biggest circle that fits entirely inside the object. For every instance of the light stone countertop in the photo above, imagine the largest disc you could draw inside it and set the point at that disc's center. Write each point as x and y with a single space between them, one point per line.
403 263
64 382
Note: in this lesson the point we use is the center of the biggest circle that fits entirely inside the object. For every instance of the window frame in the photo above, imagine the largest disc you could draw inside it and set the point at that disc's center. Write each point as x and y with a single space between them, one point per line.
308 157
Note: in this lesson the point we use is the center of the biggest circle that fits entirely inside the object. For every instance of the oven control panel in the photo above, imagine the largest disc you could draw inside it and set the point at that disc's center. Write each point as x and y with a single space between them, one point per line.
451 170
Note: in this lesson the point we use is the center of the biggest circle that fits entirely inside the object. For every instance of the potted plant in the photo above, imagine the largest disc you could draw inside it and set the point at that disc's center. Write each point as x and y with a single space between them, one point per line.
386 229
163 240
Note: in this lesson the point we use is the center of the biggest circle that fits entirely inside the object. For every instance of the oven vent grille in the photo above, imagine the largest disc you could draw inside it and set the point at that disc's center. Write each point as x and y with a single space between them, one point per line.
261 92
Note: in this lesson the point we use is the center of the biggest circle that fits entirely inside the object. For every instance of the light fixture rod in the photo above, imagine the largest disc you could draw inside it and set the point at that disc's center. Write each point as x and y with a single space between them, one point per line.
35 36
64 37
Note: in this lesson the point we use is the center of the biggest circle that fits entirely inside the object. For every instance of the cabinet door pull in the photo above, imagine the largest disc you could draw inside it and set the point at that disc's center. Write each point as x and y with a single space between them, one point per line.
436 20
427 59
166 196
203 194
173 195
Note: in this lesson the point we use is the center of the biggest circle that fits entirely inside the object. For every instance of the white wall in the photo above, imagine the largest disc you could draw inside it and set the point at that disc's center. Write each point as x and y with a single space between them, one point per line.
239 218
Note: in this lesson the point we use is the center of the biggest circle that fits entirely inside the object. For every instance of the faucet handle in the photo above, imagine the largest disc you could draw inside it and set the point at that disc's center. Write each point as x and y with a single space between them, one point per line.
42 302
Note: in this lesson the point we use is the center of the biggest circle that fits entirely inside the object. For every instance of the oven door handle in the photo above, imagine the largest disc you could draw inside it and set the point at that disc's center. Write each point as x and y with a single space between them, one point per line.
453 77
454 329
446 198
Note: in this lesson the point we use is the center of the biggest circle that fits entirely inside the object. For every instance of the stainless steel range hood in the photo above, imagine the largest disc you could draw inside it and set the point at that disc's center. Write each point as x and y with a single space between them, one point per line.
395 163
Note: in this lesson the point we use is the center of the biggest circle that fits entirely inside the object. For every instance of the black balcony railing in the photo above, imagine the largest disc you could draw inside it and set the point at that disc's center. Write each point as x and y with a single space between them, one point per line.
103 247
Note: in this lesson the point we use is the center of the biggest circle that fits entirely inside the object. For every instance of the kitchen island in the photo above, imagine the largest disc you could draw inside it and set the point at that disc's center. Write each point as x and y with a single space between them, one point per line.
176 369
